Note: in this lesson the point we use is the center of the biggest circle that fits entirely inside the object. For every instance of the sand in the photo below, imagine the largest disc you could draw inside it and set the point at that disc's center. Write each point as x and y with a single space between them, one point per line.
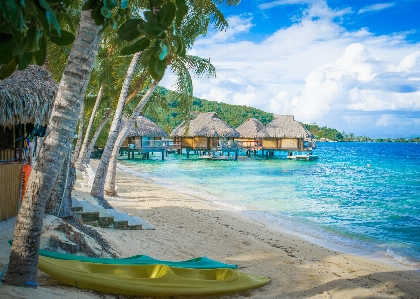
188 226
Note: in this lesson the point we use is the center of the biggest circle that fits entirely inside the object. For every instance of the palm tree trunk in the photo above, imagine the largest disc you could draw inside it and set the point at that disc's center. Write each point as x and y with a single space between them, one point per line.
79 134
99 181
58 203
23 263
84 148
86 157
112 168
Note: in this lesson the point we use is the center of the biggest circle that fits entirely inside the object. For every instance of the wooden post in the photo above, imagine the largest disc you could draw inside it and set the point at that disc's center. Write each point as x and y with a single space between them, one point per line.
163 155
236 155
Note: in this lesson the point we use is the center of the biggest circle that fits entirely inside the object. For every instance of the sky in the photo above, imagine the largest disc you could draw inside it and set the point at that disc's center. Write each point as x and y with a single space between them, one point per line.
350 65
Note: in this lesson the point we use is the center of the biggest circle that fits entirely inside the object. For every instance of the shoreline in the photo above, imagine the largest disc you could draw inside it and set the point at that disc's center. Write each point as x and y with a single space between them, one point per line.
188 226
273 224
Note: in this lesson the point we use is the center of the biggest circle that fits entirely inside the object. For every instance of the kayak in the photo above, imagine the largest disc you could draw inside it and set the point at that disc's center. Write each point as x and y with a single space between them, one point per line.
148 280
195 263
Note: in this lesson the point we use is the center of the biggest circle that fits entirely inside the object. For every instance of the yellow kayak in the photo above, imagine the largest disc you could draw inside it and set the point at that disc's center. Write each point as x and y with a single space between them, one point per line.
148 280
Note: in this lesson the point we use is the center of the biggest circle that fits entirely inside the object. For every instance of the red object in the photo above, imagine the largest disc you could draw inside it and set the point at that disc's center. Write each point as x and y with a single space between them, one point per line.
25 177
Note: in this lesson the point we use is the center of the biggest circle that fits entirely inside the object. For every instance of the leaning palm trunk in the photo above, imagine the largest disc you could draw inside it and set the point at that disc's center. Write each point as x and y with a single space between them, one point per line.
57 204
84 149
79 134
23 263
86 157
112 168
99 181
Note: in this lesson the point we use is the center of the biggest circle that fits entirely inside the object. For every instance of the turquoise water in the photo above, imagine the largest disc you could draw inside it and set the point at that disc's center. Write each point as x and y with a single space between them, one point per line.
361 195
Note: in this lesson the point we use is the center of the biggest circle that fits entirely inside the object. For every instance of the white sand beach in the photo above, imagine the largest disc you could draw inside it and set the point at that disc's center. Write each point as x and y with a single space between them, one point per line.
188 226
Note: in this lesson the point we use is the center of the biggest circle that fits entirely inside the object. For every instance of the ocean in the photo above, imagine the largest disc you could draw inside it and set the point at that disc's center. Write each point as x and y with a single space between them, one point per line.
363 197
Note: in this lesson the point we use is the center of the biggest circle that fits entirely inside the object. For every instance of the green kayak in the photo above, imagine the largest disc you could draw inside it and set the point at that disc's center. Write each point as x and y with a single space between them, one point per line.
195 263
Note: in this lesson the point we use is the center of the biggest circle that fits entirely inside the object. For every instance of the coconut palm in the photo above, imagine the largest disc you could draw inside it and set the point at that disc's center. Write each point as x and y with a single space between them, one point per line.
23 263
180 66
155 59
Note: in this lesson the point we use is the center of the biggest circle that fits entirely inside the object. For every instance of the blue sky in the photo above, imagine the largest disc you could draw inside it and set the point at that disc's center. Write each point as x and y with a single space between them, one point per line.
351 65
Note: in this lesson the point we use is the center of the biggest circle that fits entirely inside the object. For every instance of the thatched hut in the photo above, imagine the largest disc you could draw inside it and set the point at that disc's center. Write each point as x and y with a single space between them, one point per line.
284 134
205 132
249 134
26 100
145 133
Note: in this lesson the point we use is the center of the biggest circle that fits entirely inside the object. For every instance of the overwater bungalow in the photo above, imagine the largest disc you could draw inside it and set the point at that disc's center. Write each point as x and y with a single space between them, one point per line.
249 135
146 137
286 134
26 101
206 133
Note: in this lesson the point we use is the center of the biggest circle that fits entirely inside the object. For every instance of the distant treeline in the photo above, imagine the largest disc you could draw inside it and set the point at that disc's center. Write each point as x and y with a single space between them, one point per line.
170 116
334 135
234 115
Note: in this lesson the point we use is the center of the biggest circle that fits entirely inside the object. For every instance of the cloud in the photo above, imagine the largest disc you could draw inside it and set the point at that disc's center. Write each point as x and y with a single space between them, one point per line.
272 4
315 69
375 7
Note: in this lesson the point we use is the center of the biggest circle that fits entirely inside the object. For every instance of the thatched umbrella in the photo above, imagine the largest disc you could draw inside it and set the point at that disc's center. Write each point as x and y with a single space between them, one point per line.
27 97
250 128
284 126
205 125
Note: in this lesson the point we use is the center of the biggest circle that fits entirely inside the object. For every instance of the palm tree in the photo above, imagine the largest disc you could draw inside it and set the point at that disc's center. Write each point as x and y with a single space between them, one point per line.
23 263
189 28
179 66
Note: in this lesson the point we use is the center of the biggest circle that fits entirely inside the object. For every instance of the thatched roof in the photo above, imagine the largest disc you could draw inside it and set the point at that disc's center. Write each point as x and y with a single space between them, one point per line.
146 127
27 97
284 126
250 128
205 125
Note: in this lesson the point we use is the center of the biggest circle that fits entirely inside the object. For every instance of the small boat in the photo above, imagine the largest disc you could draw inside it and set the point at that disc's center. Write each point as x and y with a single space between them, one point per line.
148 280
195 263
201 262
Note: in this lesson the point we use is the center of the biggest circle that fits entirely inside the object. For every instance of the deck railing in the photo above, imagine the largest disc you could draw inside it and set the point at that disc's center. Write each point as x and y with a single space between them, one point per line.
158 144
230 144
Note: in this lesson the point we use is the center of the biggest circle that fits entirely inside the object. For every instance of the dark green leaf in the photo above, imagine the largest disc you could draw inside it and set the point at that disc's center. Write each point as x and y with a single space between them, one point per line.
8 69
136 46
150 31
66 38
180 12
50 15
166 14
41 18
145 57
41 55
32 39
6 48
157 3
24 60
128 31
157 68
151 17
13 14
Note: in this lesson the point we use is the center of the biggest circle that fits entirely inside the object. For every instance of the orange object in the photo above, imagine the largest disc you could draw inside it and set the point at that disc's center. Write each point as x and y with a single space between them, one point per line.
25 177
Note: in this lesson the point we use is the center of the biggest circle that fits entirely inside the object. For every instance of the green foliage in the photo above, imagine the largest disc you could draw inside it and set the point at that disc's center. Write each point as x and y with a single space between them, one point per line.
234 115
25 28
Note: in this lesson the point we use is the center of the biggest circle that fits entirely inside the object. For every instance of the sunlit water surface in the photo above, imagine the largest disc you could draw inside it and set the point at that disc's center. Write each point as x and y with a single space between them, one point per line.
364 196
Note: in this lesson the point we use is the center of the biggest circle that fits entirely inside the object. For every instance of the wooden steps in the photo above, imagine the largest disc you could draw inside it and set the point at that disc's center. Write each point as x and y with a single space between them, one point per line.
97 215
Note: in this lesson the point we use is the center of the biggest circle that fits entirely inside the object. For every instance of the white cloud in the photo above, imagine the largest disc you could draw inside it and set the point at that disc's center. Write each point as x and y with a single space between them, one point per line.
376 7
314 69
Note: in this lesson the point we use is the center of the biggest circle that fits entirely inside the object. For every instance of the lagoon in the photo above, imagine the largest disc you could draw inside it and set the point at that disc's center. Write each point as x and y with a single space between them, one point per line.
364 196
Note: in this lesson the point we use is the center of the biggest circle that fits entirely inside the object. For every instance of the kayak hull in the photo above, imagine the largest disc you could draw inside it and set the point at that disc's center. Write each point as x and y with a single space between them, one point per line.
196 263
148 280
